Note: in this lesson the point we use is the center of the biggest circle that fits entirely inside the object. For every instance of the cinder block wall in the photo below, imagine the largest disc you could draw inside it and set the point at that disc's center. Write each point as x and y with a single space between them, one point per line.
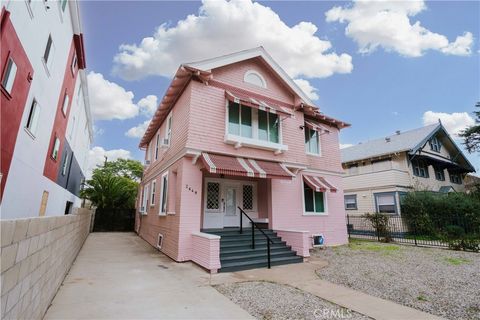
36 255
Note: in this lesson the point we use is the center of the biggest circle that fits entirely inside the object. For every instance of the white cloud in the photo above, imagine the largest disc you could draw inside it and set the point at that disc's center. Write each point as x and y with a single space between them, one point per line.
109 100
223 27
96 156
345 145
306 87
386 24
148 105
453 122
138 131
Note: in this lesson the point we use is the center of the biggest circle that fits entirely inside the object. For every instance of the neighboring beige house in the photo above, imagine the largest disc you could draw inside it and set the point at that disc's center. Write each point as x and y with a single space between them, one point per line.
380 172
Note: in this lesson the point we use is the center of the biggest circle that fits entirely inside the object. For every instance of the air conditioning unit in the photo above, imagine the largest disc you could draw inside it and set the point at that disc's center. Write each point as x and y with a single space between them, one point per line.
147 162
318 241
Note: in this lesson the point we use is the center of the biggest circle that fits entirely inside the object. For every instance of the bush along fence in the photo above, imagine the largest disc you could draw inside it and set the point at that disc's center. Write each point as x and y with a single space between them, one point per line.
450 232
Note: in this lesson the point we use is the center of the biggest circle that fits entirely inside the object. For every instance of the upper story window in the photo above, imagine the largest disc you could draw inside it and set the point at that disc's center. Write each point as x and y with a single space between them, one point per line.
168 130
65 164
255 78
56 148
32 121
164 194
435 144
312 141
73 65
152 195
49 52
268 124
64 5
9 75
157 145
240 120
420 168
65 103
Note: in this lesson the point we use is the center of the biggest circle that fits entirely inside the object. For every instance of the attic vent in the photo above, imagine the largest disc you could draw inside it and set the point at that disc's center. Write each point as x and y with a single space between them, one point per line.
254 78
397 132
387 139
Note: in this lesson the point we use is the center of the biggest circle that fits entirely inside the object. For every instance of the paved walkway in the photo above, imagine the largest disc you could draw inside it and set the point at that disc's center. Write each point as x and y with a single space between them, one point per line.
303 276
118 275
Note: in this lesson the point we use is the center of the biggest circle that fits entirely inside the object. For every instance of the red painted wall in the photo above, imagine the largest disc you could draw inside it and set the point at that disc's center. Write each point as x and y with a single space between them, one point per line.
12 106
60 123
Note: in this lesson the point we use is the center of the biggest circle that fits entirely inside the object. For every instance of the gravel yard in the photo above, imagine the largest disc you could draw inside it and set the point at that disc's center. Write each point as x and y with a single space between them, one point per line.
266 300
438 281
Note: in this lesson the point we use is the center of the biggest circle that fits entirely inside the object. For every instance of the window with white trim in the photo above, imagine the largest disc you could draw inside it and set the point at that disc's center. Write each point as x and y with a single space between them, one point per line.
435 144
63 4
32 121
420 168
248 197
312 141
164 194
253 123
386 202
145 199
73 65
55 149
156 146
9 75
314 201
350 202
65 103
152 195
49 52
255 78
168 129
213 196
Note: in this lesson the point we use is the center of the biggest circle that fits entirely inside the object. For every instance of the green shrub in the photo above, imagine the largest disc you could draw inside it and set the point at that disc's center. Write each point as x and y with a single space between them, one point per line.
454 231
380 222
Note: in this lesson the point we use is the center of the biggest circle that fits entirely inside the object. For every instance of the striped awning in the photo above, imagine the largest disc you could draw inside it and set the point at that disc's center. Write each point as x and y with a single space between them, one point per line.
237 166
319 184
255 103
316 126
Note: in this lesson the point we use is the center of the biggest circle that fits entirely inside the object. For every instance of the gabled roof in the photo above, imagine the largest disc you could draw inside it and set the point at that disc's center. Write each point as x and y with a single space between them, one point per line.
213 63
202 70
411 141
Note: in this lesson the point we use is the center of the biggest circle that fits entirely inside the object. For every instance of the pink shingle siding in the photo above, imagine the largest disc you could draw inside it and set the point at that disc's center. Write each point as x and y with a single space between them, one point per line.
206 251
199 126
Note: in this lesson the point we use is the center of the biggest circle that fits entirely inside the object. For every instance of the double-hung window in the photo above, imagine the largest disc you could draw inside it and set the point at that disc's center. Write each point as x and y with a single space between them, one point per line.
268 126
164 194
65 164
351 202
420 168
455 178
435 144
65 103
168 130
156 146
145 199
314 201
56 148
312 143
152 195
32 121
9 75
49 52
386 202
439 174
240 120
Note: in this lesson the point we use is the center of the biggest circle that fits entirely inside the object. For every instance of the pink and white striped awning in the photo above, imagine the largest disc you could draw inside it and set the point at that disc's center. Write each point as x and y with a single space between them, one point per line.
237 166
316 126
319 184
255 103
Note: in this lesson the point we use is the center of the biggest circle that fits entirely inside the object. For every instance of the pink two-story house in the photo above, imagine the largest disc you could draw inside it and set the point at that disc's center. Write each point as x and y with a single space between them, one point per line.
234 136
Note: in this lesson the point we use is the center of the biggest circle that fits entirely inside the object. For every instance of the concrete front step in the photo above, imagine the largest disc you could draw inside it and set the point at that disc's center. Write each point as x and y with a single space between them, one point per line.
258 263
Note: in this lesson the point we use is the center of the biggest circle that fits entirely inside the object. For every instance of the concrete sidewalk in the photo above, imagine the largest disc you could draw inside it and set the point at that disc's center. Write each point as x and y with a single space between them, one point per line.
120 276
303 276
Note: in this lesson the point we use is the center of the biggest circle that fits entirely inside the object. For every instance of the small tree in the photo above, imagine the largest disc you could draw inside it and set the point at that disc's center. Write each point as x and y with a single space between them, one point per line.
380 222
471 135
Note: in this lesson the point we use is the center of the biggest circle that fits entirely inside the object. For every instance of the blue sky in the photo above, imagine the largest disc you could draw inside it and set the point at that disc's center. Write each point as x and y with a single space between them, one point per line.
389 84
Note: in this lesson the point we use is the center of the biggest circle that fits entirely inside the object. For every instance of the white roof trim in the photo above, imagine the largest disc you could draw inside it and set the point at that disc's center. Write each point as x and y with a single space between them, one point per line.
209 64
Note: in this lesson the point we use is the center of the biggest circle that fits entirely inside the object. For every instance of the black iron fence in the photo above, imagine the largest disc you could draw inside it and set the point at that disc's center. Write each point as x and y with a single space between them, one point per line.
454 233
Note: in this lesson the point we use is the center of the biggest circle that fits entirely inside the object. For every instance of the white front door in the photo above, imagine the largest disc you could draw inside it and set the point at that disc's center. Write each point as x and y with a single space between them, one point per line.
231 216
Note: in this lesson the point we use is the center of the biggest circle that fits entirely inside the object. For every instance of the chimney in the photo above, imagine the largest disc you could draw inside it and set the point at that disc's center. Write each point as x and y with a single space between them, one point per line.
387 139
397 132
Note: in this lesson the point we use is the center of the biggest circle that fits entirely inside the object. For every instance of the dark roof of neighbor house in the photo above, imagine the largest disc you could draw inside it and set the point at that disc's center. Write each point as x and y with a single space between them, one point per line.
409 141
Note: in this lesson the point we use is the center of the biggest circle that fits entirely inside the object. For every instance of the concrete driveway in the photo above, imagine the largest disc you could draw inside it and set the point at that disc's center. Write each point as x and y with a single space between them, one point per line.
118 275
